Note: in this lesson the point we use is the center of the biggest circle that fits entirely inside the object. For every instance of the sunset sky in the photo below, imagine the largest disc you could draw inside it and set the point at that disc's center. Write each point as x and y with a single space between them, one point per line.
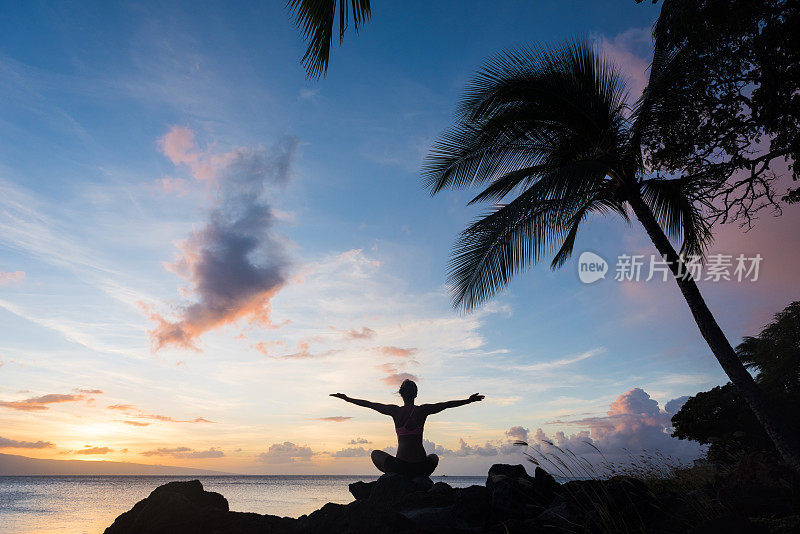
198 244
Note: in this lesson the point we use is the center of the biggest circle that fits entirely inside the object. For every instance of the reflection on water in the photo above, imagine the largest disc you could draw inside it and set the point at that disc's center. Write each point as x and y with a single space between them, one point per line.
88 504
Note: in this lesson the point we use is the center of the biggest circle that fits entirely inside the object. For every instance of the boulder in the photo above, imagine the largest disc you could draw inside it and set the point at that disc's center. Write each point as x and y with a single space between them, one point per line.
391 488
361 490
473 504
469 510
515 494
185 507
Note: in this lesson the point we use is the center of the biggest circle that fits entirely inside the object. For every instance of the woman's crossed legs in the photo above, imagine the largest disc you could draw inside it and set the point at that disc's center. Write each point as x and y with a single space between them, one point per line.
387 463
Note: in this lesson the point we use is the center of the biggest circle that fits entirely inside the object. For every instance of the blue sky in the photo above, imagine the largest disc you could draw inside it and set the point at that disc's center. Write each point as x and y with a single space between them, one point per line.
95 202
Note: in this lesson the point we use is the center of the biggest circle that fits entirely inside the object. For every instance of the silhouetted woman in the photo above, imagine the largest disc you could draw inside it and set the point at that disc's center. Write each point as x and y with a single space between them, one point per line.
409 421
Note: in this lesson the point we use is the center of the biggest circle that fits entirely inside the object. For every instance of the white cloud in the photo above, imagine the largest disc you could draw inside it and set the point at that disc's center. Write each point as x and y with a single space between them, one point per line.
351 452
286 452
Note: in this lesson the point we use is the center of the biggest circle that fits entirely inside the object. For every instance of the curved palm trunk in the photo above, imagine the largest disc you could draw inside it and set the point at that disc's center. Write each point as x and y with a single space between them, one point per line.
785 441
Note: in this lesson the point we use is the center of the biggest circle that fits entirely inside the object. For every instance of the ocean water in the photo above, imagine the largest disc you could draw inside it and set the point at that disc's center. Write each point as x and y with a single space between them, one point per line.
88 504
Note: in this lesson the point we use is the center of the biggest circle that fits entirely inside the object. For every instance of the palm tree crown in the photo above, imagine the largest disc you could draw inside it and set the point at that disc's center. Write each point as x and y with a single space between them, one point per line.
547 132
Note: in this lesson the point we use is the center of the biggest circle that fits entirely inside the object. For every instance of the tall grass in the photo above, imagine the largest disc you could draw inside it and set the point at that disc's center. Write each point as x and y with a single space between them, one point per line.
626 494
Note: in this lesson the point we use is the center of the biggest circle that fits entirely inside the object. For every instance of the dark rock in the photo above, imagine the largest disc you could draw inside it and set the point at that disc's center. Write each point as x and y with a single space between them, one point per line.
184 507
468 512
361 490
359 517
392 488
440 488
473 504
505 470
559 515
511 502
193 490
546 485
515 494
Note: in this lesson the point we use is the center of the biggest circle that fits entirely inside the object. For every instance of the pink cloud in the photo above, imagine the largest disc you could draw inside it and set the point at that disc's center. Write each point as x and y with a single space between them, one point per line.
234 264
94 450
265 347
132 410
397 351
122 407
136 423
394 376
633 423
8 277
179 146
303 353
630 52
335 419
357 333
41 403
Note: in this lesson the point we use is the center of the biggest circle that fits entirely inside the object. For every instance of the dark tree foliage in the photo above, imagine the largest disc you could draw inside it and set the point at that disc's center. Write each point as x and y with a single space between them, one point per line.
775 353
720 417
739 92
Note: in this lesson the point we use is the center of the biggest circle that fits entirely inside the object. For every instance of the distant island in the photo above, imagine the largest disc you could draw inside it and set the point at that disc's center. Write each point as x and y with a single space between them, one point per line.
14 465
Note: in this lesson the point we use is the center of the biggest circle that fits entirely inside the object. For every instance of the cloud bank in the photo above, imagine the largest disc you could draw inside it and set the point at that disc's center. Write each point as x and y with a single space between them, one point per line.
633 423
286 452
6 443
185 452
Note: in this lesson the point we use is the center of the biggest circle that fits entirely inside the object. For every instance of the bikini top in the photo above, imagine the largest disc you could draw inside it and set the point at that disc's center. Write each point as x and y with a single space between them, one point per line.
405 431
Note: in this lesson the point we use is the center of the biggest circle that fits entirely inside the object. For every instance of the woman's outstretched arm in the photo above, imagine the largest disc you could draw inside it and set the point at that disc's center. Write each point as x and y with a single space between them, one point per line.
385 409
439 406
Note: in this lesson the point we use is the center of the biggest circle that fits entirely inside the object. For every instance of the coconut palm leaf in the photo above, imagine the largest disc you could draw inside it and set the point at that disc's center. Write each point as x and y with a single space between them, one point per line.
546 125
316 18
673 204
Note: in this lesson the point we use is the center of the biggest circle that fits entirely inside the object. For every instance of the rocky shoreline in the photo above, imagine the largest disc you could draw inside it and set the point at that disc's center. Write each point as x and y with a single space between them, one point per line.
511 501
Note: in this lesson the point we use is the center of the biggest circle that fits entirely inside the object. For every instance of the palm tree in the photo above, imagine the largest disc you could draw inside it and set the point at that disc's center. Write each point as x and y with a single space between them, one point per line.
315 18
547 132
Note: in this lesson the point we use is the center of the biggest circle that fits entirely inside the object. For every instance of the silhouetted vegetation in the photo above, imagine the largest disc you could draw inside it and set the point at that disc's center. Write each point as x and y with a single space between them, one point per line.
721 418
316 18
738 89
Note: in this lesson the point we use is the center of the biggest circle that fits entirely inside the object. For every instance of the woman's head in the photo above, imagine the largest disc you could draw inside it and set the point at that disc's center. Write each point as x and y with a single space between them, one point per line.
408 390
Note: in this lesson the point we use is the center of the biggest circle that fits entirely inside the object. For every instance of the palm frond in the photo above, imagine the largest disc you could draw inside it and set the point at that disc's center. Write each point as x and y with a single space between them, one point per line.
316 18
667 67
672 203
546 127
514 236
530 107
